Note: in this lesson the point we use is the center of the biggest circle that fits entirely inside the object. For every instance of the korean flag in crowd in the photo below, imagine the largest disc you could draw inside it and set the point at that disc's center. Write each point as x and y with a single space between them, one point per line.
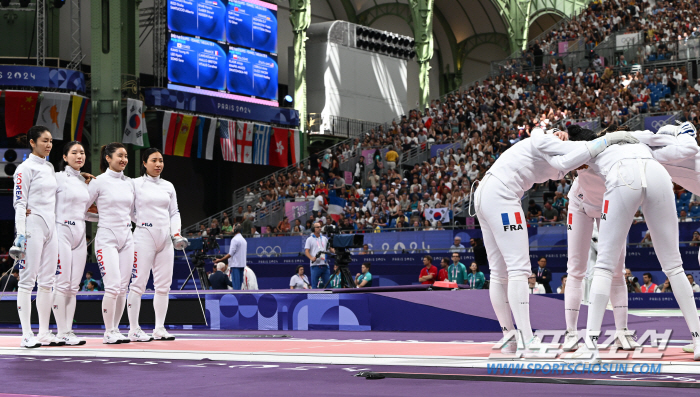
437 214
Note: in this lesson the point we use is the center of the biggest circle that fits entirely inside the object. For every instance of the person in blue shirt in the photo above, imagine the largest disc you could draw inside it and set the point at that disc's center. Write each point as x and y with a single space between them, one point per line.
364 279
475 278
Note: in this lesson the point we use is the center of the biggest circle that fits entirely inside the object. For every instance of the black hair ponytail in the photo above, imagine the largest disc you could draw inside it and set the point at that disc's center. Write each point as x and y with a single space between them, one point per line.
108 150
144 157
66 149
33 134
577 133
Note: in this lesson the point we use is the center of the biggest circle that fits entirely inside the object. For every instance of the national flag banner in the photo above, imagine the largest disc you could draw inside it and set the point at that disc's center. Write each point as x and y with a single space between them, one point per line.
52 113
279 146
19 111
437 214
207 147
171 125
244 142
227 136
135 125
427 121
77 119
183 140
261 147
200 142
336 207
515 218
294 146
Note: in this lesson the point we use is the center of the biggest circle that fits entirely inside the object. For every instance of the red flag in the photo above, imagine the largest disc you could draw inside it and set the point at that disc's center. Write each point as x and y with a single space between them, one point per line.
19 111
171 126
279 144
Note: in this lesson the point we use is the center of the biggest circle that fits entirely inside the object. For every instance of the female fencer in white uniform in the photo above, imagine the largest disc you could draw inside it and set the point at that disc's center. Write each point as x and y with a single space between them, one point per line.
585 205
157 233
71 200
633 178
113 192
35 247
503 223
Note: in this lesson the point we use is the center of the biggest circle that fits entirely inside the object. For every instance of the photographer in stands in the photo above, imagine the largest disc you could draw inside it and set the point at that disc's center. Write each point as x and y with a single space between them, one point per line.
632 282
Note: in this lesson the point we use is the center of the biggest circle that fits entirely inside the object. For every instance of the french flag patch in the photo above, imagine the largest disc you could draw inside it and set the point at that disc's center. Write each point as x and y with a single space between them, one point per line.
512 221
604 215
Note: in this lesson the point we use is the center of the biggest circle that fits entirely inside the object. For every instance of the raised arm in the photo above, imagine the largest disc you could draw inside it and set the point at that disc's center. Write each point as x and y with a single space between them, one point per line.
562 155
670 148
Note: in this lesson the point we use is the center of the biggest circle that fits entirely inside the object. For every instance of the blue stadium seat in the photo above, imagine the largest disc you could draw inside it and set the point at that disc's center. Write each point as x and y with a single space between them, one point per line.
695 211
685 198
652 57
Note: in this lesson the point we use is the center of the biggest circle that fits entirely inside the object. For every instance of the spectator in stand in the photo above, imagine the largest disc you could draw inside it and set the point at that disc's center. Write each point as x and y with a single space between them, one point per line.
359 171
648 286
237 217
10 280
365 250
638 218
319 205
214 229
632 282
457 272
283 226
561 289
683 217
444 265
299 279
429 273
560 202
219 280
377 160
88 278
544 276
696 288
226 229
457 246
338 185
535 288
664 288
392 157
364 279
254 232
91 286
550 214
534 211
696 239
249 213
475 279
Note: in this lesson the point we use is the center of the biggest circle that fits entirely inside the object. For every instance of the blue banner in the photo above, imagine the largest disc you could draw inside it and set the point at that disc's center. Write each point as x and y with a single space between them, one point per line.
41 77
435 149
224 107
655 122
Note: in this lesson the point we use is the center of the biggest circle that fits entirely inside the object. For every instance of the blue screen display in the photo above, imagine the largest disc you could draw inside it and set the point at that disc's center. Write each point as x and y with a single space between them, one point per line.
251 25
202 18
252 73
196 62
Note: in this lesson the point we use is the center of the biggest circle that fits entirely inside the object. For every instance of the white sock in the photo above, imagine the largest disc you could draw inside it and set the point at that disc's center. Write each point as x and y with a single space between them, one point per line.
24 309
519 300
59 311
160 306
686 300
572 302
70 311
109 304
600 294
119 310
618 298
43 308
498 292
133 308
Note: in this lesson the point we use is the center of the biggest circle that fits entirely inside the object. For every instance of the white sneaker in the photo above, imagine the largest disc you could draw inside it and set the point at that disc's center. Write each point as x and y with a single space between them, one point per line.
626 339
689 348
509 347
29 341
71 339
696 350
49 339
161 333
587 355
120 336
110 338
570 341
138 335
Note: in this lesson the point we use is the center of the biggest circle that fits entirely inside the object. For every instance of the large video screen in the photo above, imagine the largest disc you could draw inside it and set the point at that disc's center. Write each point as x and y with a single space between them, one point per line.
223 48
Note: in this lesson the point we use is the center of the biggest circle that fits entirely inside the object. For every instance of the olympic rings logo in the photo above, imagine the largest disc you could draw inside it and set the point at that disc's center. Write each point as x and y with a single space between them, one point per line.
268 251
656 124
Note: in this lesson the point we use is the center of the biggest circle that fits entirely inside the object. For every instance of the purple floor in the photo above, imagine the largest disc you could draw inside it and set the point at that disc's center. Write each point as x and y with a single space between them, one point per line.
124 377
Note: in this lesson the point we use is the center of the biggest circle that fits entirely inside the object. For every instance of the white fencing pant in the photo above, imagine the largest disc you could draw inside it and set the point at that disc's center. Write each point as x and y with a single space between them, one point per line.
72 254
114 250
153 252
579 230
38 267
649 186
505 236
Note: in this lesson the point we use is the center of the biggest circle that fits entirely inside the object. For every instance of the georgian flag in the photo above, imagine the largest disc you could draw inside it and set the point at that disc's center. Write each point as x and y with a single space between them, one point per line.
437 214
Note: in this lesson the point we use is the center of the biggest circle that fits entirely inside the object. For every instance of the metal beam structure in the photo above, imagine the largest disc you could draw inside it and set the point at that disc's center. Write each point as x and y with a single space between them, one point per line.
300 17
76 54
40 32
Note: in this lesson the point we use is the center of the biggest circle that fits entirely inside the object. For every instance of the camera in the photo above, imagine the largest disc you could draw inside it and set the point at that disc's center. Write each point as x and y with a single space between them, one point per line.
343 257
